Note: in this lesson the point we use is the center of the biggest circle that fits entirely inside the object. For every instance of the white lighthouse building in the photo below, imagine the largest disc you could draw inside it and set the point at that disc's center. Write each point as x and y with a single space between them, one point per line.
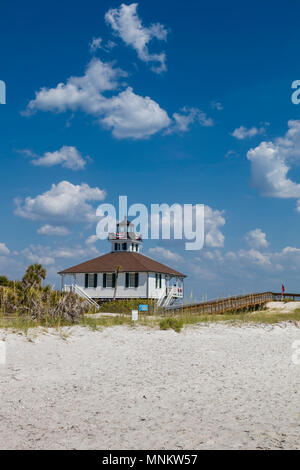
124 273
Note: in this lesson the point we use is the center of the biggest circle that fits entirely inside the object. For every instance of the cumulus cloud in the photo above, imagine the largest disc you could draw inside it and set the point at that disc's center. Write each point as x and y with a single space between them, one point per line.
126 114
4 251
242 132
126 23
255 256
131 115
172 219
214 220
183 120
83 92
271 162
257 239
62 203
67 156
48 256
51 230
164 253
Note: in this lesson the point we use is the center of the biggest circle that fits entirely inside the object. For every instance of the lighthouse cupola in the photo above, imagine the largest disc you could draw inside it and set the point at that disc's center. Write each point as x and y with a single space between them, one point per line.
125 238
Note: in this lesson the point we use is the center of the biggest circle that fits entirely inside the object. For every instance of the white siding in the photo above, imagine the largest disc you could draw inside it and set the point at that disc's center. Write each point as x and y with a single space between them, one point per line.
142 291
108 292
153 292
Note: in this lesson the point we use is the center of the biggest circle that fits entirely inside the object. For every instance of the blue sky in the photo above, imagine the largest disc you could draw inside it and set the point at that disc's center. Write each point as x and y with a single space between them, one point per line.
218 128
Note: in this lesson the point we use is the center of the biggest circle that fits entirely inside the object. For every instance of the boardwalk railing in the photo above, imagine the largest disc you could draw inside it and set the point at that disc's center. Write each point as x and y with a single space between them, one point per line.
230 304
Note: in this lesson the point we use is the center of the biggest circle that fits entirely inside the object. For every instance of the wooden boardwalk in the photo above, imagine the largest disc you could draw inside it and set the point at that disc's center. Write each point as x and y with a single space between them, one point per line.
231 304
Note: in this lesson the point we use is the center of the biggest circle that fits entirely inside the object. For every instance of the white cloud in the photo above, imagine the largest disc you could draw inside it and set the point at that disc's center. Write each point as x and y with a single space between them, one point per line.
67 156
271 162
83 93
231 154
164 253
95 44
37 255
214 255
188 116
92 239
4 251
213 220
63 203
51 230
243 133
47 255
131 115
76 251
216 105
126 23
255 256
257 239
128 115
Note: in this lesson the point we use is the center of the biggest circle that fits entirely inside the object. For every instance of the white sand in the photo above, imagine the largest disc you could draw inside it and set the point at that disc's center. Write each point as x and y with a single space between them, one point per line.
283 307
207 387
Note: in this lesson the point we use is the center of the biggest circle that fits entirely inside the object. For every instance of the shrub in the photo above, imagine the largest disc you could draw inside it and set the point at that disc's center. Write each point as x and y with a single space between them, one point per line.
171 322
42 304
126 305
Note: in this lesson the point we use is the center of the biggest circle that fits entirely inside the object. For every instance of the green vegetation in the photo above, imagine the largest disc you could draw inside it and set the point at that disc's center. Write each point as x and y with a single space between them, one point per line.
126 306
266 317
34 276
171 322
26 304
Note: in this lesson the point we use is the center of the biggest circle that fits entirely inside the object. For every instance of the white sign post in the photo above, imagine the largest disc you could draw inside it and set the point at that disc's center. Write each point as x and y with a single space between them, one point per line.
135 315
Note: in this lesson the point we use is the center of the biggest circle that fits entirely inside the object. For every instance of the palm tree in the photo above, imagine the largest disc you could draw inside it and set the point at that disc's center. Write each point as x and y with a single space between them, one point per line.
35 273
118 268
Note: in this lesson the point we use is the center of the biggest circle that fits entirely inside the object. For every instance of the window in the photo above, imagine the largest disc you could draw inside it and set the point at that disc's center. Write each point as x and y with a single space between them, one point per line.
117 246
132 279
109 279
124 246
91 280
158 281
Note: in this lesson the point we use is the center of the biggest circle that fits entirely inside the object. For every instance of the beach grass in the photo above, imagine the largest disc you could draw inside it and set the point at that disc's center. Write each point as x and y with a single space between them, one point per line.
21 323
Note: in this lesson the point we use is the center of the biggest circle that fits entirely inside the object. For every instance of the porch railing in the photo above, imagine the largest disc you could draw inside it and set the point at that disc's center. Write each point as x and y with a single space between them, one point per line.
77 290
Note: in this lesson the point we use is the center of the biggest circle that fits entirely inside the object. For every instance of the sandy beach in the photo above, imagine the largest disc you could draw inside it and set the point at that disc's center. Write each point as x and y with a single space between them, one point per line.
209 387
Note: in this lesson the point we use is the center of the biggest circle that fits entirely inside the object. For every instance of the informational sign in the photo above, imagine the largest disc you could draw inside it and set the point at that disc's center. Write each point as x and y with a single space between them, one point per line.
135 315
143 308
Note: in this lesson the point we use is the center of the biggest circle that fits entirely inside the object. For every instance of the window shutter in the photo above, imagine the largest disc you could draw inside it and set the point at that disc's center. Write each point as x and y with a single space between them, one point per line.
136 279
127 280
95 280
156 284
104 279
86 281
114 280
160 281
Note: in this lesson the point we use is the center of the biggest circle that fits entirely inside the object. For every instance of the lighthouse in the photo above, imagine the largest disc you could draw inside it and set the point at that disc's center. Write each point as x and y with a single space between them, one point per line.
138 276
